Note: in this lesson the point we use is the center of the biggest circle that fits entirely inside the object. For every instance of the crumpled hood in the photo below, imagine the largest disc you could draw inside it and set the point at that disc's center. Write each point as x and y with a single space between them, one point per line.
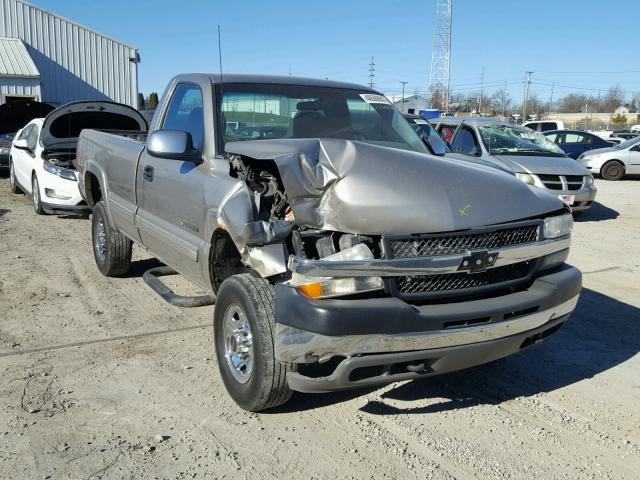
541 164
355 187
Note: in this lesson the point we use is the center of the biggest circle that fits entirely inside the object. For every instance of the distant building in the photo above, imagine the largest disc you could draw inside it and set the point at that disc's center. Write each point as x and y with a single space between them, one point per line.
621 111
412 103
51 59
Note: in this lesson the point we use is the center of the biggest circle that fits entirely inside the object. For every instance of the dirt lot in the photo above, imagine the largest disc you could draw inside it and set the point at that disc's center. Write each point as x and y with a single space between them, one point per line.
101 379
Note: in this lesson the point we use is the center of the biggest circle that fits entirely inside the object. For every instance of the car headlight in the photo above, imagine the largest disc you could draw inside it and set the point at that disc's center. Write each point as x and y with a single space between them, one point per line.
526 178
557 226
327 287
4 151
59 171
588 180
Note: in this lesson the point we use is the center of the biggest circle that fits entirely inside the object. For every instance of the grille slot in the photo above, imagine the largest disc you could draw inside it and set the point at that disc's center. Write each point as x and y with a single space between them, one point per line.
435 245
421 285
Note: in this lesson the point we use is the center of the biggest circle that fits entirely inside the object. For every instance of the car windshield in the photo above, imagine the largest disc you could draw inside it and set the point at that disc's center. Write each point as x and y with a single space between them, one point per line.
272 111
425 130
6 139
512 140
629 143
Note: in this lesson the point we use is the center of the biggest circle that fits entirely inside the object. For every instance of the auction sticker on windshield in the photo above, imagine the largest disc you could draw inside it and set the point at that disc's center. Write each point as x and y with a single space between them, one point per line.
374 98
567 199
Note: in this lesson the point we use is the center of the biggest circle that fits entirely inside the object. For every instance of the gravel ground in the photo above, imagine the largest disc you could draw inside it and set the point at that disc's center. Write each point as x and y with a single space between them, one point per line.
101 379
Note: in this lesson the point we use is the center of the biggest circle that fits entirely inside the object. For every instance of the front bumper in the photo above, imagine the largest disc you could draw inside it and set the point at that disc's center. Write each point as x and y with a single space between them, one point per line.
477 331
81 209
4 160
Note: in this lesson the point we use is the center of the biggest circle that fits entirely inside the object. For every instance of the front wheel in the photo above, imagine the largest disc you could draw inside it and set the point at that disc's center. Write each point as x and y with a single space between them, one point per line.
13 183
111 249
613 170
244 327
35 196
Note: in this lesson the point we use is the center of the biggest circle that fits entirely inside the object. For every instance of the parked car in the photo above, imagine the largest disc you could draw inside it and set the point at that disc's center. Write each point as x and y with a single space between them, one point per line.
42 153
625 135
533 158
544 125
614 162
14 116
575 142
340 252
635 128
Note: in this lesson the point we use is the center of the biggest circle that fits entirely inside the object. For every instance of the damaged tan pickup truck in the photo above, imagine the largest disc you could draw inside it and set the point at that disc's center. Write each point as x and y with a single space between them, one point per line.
340 251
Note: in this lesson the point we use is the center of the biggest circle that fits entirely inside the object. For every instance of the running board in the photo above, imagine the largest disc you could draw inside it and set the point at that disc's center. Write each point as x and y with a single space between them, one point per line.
150 277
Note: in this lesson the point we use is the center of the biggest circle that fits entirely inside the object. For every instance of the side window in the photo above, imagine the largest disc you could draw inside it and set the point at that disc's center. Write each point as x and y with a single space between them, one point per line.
553 137
573 138
465 142
32 138
185 112
446 132
546 126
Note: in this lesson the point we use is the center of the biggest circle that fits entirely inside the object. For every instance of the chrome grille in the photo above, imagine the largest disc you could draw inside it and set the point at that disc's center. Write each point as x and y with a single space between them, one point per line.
562 182
434 245
422 285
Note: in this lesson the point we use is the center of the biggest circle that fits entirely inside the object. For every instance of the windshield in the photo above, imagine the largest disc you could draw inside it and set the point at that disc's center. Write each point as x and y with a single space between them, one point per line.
425 130
507 139
626 144
268 111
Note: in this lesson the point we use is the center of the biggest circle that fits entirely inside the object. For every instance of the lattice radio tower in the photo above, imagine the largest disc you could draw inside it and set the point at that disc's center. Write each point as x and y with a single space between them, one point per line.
441 57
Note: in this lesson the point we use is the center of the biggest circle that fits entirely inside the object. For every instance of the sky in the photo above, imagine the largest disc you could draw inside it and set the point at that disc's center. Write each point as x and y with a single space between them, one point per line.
580 46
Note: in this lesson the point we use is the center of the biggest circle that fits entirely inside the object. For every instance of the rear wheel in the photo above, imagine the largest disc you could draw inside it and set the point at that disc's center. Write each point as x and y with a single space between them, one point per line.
244 327
111 249
13 183
35 195
613 170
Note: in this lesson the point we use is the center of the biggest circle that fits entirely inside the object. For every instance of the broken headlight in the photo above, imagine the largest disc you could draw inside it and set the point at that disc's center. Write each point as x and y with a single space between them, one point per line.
59 171
328 287
557 226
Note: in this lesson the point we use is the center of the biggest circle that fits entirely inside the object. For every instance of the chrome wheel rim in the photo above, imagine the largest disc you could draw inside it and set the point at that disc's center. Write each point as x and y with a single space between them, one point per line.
238 343
100 241
35 194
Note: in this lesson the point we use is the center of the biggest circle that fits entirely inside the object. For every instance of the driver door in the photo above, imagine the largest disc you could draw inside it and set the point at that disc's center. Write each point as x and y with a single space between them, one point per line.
24 160
172 207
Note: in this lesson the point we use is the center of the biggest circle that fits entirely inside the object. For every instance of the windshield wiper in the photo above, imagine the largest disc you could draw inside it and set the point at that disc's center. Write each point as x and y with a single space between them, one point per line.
528 152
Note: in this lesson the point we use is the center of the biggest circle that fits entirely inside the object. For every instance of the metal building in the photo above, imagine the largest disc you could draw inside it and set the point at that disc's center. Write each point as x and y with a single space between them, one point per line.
51 59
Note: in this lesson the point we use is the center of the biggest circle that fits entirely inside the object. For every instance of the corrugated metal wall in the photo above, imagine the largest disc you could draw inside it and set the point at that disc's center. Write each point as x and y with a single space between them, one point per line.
75 63
20 87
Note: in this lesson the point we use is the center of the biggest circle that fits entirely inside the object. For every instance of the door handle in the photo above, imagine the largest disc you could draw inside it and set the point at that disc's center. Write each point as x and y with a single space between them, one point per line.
148 173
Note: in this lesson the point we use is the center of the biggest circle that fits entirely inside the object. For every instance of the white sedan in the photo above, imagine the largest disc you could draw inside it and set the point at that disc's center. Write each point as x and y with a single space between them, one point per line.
42 153
615 162
53 188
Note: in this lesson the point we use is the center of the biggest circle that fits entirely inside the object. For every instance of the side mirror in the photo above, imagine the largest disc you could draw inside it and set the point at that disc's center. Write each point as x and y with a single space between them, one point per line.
435 146
21 144
173 145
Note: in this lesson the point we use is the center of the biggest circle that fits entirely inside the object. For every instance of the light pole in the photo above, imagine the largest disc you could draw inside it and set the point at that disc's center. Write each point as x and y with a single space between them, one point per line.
403 84
527 81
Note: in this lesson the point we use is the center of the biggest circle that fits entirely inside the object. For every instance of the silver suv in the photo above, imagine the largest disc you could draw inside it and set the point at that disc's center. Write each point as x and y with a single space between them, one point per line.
533 158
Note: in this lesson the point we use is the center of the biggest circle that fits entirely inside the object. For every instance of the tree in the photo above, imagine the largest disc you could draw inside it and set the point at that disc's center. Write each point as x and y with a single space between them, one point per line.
618 120
501 102
612 99
153 100
141 102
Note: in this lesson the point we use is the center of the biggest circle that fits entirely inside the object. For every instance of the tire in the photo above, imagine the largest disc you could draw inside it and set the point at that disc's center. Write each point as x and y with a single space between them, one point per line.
35 195
13 183
613 170
245 304
111 249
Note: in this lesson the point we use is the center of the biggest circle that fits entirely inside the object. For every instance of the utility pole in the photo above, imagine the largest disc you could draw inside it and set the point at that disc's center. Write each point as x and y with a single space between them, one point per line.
527 82
504 99
403 84
371 73
481 92
551 97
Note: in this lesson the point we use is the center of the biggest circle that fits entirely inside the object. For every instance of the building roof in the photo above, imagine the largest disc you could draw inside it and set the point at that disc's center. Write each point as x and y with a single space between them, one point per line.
15 60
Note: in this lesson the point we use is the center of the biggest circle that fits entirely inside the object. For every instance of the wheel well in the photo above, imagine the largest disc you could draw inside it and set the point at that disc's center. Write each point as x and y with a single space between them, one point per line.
224 259
92 189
